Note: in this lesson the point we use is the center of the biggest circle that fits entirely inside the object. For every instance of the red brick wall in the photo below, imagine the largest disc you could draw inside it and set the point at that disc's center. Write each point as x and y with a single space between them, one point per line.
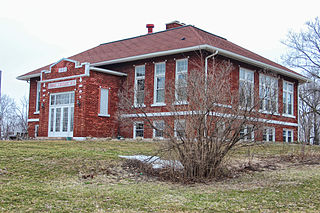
32 106
87 123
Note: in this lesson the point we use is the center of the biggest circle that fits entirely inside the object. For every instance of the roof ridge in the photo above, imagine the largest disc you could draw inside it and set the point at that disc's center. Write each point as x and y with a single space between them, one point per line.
148 34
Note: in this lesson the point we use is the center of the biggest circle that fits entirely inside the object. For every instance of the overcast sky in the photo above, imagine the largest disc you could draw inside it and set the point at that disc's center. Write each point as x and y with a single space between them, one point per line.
35 33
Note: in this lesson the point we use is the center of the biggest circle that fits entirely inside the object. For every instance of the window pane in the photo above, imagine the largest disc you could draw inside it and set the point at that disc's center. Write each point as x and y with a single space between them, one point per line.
58 119
52 99
284 136
160 96
289 132
71 118
65 119
160 82
72 98
182 66
160 69
52 120
140 71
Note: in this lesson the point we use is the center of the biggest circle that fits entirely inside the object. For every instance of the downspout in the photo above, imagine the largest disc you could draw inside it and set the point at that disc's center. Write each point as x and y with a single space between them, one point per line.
206 85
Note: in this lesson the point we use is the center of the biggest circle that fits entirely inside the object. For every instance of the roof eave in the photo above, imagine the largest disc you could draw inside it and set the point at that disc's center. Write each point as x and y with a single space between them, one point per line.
27 77
229 54
223 52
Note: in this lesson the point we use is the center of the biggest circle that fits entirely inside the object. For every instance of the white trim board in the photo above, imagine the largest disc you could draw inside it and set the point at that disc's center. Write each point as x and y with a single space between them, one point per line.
33 120
179 113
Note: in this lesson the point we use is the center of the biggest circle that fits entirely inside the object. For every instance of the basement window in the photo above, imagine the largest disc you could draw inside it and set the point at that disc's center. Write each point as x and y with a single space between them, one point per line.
268 134
180 128
287 135
138 130
158 132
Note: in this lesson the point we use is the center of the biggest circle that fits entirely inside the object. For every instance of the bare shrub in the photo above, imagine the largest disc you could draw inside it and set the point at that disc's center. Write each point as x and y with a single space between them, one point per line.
206 116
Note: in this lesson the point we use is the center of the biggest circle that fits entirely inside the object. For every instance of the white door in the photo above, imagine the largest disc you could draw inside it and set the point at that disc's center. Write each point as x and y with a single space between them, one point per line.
61 115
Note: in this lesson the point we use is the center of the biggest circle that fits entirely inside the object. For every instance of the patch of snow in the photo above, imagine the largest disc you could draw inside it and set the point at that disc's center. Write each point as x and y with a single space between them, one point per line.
155 161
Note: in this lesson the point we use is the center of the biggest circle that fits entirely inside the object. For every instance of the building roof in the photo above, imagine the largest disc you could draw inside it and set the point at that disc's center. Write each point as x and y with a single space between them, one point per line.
180 38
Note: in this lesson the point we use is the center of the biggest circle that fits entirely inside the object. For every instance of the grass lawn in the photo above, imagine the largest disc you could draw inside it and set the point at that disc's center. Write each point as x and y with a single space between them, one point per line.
54 176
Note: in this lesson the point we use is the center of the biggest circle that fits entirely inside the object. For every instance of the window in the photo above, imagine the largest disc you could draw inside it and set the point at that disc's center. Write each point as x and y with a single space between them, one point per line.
158 132
181 80
246 86
288 135
38 96
246 133
268 93
180 128
64 98
268 134
159 82
139 85
103 109
138 130
62 69
287 98
36 131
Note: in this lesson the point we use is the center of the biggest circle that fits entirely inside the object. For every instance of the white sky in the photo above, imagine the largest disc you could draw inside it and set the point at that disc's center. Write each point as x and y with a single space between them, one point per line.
35 33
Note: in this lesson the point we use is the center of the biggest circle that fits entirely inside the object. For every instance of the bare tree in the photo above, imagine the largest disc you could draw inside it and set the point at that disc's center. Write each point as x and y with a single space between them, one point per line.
206 115
304 49
7 116
304 54
22 114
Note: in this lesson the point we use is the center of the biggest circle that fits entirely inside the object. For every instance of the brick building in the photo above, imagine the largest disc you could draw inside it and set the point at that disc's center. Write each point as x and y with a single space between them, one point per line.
78 96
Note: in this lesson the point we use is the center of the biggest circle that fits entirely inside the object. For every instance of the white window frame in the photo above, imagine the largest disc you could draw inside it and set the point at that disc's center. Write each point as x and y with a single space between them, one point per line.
157 75
38 97
285 94
135 128
268 91
183 72
287 135
245 132
176 124
136 78
246 81
155 131
268 129
104 114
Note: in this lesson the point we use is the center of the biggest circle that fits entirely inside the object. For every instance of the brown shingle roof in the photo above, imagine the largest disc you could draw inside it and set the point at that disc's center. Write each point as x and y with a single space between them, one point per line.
162 41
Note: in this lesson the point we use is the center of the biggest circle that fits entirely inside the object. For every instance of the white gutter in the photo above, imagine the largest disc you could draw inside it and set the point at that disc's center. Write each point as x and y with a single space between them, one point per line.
193 48
258 63
111 72
209 48
27 77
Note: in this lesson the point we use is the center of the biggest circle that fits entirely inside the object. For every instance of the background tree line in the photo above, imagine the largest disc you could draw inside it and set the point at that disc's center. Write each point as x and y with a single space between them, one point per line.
304 54
13 116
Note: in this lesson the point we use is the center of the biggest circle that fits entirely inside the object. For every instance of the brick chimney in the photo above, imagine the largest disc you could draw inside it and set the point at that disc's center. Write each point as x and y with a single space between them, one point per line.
173 24
150 28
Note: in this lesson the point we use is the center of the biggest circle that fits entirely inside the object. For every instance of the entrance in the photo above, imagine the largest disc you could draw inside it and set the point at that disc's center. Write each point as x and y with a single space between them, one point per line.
61 115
